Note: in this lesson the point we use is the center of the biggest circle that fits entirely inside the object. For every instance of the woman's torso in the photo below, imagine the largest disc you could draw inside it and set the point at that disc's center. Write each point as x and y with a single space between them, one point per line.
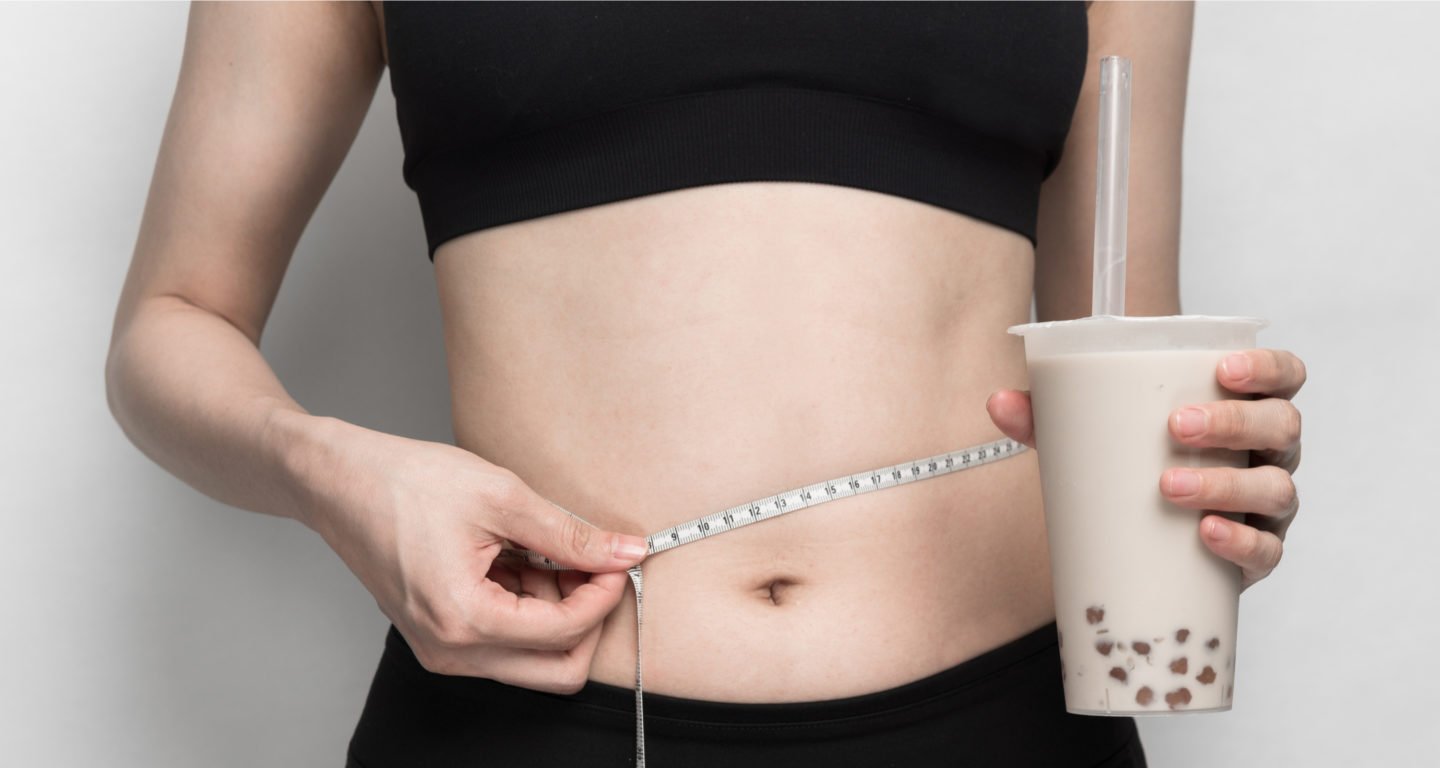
648 361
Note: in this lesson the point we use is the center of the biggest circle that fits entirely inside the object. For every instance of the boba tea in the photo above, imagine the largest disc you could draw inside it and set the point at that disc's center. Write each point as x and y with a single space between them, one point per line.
1146 613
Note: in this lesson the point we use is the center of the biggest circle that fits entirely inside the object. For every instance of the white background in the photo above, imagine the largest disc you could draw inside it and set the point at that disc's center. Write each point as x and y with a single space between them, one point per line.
146 625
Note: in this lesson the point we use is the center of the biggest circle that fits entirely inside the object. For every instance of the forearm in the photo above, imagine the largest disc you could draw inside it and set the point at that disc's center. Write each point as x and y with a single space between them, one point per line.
1156 37
194 394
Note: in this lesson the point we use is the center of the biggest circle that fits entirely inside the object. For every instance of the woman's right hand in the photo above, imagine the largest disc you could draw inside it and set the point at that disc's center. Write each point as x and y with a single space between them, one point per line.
420 524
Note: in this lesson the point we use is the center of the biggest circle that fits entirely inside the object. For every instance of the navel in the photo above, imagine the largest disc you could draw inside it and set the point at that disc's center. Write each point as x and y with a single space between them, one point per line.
777 591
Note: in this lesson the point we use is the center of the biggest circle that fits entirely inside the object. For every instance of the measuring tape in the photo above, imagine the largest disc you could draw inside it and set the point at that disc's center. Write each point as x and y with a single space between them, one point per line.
764 509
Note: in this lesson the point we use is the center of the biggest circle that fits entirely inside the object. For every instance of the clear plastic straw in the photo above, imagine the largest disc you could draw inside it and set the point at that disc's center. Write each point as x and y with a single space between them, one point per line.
1112 179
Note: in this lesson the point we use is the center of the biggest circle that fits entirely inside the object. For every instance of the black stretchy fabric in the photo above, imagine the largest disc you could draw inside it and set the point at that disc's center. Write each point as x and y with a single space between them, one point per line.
1002 708
511 111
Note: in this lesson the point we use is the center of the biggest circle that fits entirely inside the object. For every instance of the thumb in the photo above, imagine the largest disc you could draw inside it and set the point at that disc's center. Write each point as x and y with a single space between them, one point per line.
543 526
1010 410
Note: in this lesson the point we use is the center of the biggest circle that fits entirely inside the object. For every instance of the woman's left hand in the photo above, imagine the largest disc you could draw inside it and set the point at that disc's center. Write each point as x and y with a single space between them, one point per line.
1269 428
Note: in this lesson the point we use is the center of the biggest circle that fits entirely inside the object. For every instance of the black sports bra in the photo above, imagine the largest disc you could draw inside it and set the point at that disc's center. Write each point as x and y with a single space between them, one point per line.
509 111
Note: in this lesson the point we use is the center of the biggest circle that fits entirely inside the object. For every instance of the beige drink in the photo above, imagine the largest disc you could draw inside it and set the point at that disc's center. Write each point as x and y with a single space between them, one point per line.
1146 613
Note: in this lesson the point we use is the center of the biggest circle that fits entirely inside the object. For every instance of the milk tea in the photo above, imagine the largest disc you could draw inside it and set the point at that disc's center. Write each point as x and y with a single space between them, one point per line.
1146 613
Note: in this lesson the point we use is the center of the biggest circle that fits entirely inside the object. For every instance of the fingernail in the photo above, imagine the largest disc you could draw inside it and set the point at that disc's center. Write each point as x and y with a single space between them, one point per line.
629 547
1236 367
1190 422
1219 531
1183 482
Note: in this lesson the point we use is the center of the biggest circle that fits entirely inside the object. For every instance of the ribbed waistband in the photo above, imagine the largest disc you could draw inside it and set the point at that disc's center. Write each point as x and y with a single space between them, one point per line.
1019 667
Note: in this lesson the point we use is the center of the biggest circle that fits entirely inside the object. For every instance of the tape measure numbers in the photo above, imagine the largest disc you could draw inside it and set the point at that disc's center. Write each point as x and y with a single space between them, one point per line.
766 508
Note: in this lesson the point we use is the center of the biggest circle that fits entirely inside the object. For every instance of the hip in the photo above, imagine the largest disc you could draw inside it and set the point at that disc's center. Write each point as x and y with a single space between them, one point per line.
1002 707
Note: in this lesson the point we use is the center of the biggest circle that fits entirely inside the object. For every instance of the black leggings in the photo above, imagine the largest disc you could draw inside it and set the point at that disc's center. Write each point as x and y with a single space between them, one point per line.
1002 708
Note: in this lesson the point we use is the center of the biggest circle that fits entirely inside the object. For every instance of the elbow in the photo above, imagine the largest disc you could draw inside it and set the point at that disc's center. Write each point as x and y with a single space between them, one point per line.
115 381
121 378
121 375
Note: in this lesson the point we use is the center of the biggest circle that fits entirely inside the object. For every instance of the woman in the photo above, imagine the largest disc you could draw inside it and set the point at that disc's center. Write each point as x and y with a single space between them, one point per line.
687 256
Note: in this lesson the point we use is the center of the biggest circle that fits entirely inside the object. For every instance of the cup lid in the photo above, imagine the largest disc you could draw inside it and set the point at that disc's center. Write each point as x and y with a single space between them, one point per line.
1161 320
1111 333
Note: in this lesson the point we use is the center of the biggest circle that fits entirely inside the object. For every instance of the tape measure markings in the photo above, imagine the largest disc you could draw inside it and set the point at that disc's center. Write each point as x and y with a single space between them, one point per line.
766 508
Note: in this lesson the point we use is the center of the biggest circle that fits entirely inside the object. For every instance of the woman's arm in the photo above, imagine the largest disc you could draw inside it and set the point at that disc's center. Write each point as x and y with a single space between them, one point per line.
268 101
1156 38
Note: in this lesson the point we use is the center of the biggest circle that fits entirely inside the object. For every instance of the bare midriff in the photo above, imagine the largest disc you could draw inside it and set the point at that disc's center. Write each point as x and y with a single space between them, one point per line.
648 361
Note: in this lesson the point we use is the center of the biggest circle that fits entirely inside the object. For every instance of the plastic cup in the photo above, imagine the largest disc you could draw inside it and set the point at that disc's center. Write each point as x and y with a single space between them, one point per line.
1146 612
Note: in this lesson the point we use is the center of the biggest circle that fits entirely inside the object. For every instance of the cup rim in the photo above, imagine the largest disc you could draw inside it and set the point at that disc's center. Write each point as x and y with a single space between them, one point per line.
1024 328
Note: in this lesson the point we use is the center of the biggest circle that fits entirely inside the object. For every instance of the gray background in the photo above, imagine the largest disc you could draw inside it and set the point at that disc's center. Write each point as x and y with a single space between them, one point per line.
146 625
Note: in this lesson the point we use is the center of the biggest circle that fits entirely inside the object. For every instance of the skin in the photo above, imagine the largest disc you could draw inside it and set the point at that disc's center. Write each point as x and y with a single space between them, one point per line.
587 343
1268 427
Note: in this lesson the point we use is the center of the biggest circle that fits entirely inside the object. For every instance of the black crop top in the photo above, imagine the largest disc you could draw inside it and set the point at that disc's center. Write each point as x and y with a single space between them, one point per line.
509 111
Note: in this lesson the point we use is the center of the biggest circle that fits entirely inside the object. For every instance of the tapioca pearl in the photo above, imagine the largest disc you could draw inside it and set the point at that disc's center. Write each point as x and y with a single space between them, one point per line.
1095 614
1141 647
1144 696
1180 666
1178 697
1181 635
1212 643
1104 646
1118 673
1207 675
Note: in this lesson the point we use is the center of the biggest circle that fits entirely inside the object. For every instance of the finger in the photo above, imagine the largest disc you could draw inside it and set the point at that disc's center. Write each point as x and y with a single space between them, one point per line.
531 622
505 576
1256 552
534 522
585 651
1265 491
1276 525
562 672
1286 460
1010 410
1273 372
569 580
1271 424
539 582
